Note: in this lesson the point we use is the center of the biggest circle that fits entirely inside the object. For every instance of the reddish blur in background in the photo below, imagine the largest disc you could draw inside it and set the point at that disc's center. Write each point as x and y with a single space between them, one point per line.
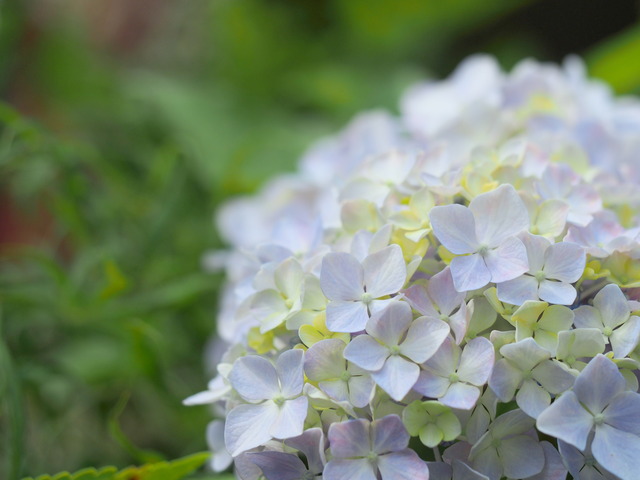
124 123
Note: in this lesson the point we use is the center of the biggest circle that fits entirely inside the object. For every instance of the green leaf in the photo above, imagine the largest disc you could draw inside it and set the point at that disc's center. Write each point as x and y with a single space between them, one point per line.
616 61
106 473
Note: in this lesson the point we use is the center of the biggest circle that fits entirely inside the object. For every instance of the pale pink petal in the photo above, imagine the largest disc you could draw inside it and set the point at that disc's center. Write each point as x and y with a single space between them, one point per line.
350 438
424 337
385 272
476 361
508 261
389 325
388 434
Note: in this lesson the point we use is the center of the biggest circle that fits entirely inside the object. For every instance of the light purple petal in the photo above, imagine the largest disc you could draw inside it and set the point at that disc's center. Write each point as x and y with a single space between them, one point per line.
532 398
598 383
312 444
617 451
344 469
443 293
462 471
279 465
403 465
290 420
536 247
518 290
552 376
566 420
565 262
337 389
460 395
557 292
388 434
397 376
623 412
587 317
346 316
504 380
341 277
419 300
349 439
454 226
499 214
366 352
389 325
507 261
476 361
612 304
553 469
290 372
424 338
431 385
469 272
324 360
248 426
446 360
488 463
385 271
254 378
361 390
521 456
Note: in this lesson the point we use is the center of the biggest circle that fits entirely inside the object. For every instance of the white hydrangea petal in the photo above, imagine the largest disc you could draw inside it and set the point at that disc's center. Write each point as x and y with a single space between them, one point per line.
397 376
507 261
361 390
346 316
469 272
349 469
598 383
612 304
290 420
443 293
289 278
324 360
536 247
552 217
617 451
385 271
476 361
424 337
388 434
248 426
521 456
587 316
390 324
499 214
366 352
454 226
566 420
403 465
565 261
625 339
518 290
623 412
460 395
532 398
254 378
341 277
557 292
291 372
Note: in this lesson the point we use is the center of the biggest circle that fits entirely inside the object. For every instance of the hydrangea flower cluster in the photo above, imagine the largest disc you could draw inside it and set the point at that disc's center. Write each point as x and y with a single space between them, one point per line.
447 294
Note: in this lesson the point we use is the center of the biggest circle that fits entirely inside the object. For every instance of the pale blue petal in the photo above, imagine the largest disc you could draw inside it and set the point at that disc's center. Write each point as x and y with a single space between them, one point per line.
566 420
623 412
346 316
469 272
337 389
553 469
598 383
397 376
587 316
384 271
613 305
248 426
488 463
565 261
514 422
431 385
446 360
521 456
499 214
423 339
617 451
361 390
290 420
504 380
278 465
462 471
349 439
507 261
460 395
254 378
557 292
343 469
518 290
341 277
454 226
389 325
532 398
290 372
459 322
553 377
443 293
476 361
389 435
324 360
403 465
366 353
625 338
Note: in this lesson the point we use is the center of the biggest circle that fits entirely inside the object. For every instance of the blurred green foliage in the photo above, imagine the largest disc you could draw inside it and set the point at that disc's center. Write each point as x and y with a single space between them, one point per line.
124 126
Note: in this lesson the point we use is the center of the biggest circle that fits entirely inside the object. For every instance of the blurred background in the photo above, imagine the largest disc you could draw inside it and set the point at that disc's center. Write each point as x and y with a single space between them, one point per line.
123 124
